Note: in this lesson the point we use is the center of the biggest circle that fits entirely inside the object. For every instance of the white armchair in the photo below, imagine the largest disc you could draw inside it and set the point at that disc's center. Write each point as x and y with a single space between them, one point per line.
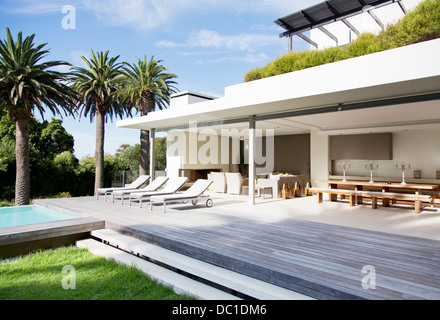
234 182
219 182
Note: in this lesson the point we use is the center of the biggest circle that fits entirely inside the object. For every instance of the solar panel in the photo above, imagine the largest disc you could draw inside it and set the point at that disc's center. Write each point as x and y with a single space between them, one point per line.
324 13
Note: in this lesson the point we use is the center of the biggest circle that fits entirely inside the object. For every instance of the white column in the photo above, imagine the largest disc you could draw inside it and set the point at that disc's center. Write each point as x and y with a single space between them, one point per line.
152 135
319 157
252 160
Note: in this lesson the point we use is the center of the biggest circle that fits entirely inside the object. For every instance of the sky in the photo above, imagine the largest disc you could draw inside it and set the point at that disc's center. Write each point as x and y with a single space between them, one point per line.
208 44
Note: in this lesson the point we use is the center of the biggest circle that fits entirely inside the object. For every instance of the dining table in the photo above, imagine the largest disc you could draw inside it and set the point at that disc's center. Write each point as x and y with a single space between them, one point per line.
385 186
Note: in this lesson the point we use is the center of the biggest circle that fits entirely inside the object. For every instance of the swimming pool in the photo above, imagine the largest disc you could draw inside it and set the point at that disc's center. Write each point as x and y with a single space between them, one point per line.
17 216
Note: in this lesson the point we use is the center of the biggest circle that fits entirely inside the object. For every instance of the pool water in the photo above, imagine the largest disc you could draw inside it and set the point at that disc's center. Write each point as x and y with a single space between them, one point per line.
17 216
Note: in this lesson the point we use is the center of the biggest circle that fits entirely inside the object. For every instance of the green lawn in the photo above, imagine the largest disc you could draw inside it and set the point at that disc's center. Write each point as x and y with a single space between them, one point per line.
39 276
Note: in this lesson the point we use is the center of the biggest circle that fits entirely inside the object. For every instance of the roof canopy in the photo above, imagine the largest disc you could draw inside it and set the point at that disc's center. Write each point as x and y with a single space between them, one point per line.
327 12
371 93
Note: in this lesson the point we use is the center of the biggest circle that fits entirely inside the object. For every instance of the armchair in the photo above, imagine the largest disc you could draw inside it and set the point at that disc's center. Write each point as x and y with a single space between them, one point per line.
219 181
234 182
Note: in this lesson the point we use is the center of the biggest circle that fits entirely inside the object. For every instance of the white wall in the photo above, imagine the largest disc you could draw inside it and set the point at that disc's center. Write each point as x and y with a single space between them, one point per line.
319 157
185 98
419 148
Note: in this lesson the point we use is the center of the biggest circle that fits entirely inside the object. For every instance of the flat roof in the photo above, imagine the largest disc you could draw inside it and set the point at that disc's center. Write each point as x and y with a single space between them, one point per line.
372 80
194 94
327 12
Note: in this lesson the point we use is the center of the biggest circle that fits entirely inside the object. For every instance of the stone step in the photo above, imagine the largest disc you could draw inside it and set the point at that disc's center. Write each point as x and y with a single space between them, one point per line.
234 281
180 283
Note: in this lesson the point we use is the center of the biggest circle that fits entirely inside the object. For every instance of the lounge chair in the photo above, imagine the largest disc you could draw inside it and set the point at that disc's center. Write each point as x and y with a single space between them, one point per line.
193 194
153 186
131 186
172 185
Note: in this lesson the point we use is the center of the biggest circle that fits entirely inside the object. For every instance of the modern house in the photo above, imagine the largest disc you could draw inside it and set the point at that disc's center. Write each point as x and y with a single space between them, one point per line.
382 107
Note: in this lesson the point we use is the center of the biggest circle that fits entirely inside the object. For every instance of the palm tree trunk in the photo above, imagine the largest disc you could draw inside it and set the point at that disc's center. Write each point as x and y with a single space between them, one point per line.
22 178
99 152
144 165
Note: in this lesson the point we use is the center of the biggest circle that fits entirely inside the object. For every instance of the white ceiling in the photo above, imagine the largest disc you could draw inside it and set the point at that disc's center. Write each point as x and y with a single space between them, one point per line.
402 117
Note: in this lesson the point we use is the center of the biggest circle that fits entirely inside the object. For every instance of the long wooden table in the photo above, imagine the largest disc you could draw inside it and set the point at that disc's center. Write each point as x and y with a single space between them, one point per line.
417 188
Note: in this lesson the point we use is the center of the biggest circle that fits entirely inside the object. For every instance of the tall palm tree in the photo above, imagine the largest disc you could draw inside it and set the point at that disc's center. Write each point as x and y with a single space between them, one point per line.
147 86
97 87
27 84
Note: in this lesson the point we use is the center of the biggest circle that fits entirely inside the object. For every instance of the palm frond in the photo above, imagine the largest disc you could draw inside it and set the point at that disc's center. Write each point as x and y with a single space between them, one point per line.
26 83
147 85
98 86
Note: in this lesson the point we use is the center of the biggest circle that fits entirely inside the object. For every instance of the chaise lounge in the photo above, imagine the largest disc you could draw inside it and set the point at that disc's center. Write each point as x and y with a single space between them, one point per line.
153 186
172 186
136 184
193 194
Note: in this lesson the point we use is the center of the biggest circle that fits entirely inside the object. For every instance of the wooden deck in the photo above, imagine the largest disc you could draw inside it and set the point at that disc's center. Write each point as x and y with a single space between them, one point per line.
321 260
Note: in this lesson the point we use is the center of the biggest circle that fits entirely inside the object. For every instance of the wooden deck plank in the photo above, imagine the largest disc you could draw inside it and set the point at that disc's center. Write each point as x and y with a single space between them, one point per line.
316 264
321 260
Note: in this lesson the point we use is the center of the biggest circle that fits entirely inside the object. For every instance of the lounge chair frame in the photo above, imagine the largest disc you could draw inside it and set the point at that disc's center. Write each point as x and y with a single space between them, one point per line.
184 198
106 191
147 195
158 183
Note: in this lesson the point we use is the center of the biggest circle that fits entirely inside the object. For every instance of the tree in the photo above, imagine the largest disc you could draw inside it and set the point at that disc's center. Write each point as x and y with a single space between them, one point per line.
147 86
27 84
47 139
130 156
97 86
54 139
160 152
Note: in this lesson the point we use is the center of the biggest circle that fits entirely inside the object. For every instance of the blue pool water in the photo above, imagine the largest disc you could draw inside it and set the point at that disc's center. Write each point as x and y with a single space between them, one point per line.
17 216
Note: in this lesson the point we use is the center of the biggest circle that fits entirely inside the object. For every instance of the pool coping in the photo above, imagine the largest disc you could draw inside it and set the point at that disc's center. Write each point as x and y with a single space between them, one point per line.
23 239
38 231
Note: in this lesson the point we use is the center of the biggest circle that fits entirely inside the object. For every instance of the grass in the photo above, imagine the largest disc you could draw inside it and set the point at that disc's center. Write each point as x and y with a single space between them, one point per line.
39 276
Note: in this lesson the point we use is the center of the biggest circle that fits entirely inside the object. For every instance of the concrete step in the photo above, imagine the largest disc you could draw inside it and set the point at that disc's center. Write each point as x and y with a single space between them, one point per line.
245 285
180 283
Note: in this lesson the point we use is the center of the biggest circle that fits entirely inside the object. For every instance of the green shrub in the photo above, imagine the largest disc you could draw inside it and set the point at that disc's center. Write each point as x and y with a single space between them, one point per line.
63 195
423 23
366 43
419 25
8 193
293 61
6 204
252 75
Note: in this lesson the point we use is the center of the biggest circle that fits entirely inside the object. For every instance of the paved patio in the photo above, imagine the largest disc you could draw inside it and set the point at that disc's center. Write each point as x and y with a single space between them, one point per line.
316 249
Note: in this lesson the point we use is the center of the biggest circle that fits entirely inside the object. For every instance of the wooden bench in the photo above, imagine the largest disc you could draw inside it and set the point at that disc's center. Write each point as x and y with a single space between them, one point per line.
386 196
344 192
374 195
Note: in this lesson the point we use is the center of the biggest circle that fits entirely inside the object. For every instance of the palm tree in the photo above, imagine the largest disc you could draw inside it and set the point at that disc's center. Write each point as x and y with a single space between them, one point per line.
97 86
26 85
147 86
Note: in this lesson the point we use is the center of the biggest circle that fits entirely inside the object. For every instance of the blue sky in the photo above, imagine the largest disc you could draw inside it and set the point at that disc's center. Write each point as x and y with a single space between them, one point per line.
209 44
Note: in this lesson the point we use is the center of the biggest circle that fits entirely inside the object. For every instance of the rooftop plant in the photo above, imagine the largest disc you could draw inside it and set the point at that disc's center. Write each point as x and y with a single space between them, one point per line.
421 24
